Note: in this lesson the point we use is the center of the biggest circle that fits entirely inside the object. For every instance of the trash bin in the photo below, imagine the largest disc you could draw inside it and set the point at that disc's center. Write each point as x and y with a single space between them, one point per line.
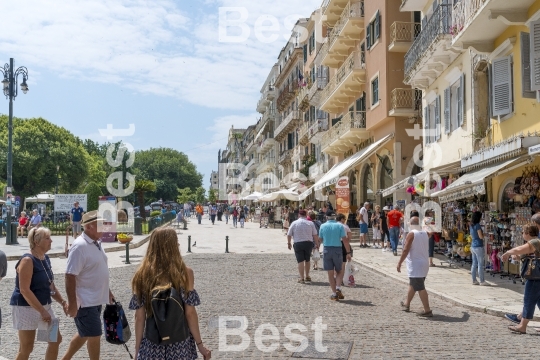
138 226
14 226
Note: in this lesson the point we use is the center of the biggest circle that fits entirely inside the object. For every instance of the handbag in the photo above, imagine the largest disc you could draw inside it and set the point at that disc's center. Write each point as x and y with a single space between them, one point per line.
530 268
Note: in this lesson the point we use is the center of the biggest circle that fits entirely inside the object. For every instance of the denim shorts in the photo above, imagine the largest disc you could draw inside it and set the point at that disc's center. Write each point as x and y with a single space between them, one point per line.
88 321
332 258
363 228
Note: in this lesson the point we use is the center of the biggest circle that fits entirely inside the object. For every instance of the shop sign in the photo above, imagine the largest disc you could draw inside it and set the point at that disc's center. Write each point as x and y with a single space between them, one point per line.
464 193
343 201
534 150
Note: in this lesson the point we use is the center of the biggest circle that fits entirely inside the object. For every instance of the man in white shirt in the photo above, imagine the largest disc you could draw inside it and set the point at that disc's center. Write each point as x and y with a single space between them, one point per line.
416 254
87 287
363 220
305 238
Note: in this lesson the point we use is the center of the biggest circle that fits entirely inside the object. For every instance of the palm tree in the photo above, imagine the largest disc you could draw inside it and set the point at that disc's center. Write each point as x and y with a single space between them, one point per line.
142 186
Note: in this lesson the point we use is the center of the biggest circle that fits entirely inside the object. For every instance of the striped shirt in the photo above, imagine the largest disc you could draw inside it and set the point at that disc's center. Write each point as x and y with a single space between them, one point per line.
302 230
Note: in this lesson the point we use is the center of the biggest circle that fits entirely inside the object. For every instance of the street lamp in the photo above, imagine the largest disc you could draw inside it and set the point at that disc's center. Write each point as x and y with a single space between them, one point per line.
9 85
56 192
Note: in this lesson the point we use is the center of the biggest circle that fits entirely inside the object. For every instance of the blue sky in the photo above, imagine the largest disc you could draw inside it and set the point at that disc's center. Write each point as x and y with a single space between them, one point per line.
157 64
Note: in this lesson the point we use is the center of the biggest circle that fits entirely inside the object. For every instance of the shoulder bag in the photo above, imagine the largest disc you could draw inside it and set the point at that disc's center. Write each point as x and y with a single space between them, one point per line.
530 268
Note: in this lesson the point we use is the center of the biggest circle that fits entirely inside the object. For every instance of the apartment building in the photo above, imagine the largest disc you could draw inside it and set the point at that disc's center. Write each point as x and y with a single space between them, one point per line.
214 180
231 164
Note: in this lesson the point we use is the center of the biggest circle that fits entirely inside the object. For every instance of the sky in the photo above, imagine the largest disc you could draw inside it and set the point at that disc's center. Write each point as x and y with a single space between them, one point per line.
178 70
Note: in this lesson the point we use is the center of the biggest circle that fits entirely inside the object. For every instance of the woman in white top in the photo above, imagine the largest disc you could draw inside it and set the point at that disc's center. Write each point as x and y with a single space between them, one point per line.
376 226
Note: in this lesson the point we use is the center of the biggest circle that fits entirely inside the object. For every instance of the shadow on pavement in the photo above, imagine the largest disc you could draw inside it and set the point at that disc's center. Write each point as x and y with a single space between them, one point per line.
320 283
449 319
357 302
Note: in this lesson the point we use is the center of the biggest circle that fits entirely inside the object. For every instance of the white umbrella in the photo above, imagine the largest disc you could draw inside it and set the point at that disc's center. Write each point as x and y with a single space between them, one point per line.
281 194
254 196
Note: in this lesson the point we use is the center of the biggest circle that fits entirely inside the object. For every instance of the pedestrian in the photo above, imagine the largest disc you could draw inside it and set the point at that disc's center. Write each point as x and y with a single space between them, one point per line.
395 219
32 297
304 234
227 213
87 287
376 226
428 227
180 218
332 234
23 224
242 218
477 249
312 216
385 236
76 217
163 268
35 221
200 211
235 217
186 210
219 212
346 249
416 254
213 211
363 219
3 272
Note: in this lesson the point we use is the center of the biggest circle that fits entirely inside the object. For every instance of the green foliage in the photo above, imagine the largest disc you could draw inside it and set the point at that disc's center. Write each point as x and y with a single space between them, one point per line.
169 168
184 195
142 186
93 192
200 195
212 195
155 213
307 161
38 147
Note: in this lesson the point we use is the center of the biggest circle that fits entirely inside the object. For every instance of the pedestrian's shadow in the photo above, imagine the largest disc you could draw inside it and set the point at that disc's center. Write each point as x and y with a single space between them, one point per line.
320 283
449 319
357 302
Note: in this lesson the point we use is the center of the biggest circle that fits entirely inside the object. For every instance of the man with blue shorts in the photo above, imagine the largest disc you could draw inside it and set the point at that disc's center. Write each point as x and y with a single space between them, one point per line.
363 221
331 234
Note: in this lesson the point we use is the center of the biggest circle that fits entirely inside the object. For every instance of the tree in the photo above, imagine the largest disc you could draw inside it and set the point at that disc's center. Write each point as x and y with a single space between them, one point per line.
169 169
212 195
38 147
142 186
93 192
200 195
184 195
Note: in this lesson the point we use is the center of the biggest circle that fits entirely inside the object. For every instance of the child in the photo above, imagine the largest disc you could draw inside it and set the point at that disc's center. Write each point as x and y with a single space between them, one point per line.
242 218
285 226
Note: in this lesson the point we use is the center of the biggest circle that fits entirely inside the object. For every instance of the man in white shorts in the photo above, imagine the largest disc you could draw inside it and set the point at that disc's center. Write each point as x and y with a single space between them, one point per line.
363 220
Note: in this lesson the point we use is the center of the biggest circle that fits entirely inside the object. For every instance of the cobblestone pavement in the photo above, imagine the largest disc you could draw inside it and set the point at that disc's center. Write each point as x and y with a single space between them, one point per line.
263 288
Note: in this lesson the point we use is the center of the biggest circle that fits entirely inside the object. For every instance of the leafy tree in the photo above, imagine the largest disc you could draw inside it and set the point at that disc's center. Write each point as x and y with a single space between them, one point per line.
38 147
169 169
142 186
200 195
212 195
93 192
184 195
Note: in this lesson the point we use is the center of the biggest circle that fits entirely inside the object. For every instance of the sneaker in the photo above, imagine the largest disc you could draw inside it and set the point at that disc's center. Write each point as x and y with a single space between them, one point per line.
513 318
384 250
340 295
475 282
395 253
334 298
484 284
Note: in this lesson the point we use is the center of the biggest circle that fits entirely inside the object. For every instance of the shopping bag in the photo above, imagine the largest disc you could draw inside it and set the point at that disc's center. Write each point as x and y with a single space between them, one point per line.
350 271
316 256
48 331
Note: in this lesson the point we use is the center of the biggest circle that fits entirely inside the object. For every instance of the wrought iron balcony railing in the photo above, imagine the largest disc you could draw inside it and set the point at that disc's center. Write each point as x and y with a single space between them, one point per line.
320 126
463 13
288 93
355 61
404 31
406 99
293 115
352 10
438 25
285 156
351 120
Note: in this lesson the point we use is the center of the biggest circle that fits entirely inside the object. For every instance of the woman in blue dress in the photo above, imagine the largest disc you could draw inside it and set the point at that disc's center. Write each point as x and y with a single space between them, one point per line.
163 266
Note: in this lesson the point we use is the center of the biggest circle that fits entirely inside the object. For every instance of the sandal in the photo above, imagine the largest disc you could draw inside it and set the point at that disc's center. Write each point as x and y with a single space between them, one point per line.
405 308
515 330
300 281
432 265
308 279
426 314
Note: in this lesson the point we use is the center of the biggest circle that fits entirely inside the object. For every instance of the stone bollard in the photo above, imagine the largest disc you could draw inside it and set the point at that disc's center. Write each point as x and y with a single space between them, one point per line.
189 244
226 244
127 253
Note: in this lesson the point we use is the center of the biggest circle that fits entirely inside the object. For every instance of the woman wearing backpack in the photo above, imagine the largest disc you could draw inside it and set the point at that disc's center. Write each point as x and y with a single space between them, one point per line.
163 269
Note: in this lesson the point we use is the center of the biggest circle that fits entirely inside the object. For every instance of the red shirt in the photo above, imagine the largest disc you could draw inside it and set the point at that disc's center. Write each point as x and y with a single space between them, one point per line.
23 221
393 218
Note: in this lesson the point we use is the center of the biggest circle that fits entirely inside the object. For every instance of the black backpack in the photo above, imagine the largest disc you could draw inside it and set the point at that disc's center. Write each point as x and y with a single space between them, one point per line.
116 325
167 324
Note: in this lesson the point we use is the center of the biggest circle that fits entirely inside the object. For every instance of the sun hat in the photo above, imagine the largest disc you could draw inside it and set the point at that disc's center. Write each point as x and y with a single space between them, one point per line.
90 216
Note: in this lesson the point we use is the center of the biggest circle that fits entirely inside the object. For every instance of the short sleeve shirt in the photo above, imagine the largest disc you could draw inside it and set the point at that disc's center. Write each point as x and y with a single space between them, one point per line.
536 244
77 213
364 215
36 219
394 217
302 230
331 233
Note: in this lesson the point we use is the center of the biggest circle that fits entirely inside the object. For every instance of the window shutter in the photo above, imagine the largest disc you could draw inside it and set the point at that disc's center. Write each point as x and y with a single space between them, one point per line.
534 50
490 86
426 125
377 25
526 91
447 121
502 86
368 36
438 118
461 100
305 53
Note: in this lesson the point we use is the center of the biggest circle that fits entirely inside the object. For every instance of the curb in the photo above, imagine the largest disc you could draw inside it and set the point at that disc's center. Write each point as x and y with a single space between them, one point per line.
442 296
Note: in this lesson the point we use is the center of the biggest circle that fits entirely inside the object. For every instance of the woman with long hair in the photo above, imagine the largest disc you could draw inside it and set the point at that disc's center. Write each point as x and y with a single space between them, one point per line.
162 268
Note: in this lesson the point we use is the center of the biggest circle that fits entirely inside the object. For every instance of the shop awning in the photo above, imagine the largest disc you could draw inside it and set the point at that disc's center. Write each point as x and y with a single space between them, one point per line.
404 183
472 183
333 175
279 195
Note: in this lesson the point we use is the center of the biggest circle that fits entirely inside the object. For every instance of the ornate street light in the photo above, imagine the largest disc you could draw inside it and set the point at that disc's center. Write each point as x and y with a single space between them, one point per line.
9 86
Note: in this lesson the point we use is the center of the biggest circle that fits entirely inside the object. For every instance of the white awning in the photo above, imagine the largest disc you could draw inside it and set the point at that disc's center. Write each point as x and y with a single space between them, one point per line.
409 180
472 183
278 195
332 176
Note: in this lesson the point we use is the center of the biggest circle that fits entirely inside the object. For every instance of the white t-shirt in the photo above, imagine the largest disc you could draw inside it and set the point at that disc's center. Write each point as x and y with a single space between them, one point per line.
365 215
418 258
90 267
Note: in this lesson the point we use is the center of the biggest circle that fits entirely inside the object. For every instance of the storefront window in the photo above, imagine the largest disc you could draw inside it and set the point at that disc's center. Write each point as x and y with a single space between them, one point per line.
507 200
368 184
387 179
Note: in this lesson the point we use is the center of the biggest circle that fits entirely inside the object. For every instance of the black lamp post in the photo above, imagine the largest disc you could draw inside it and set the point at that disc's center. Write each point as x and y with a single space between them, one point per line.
56 192
9 85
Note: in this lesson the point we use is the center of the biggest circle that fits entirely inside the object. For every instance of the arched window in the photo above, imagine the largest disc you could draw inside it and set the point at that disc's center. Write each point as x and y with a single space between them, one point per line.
367 180
507 198
386 179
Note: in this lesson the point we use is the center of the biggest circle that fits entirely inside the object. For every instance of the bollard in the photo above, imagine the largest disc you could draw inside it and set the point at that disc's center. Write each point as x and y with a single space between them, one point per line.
226 244
189 244
127 253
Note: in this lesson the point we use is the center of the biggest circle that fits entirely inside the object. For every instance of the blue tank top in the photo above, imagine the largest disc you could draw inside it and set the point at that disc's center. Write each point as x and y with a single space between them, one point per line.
39 284
476 241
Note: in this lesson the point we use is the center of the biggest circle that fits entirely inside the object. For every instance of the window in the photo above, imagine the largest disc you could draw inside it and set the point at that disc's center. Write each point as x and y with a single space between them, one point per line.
305 53
373 30
534 50
454 105
526 85
502 86
312 42
375 91
432 121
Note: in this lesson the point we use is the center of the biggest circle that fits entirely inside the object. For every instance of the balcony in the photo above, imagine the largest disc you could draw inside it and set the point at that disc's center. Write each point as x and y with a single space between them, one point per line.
432 51
261 105
287 125
402 35
266 144
472 18
303 99
285 157
347 132
317 130
270 93
333 9
405 103
303 137
287 95
413 5
266 164
317 170
345 85
268 116
346 33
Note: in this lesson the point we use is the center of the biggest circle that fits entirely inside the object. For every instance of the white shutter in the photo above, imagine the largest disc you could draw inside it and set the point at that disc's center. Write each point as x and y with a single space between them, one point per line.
535 55
502 86
426 125
447 129
461 100
526 66
437 118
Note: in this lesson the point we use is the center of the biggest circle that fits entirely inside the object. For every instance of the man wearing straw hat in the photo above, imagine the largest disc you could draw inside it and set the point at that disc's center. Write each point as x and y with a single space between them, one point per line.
87 287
